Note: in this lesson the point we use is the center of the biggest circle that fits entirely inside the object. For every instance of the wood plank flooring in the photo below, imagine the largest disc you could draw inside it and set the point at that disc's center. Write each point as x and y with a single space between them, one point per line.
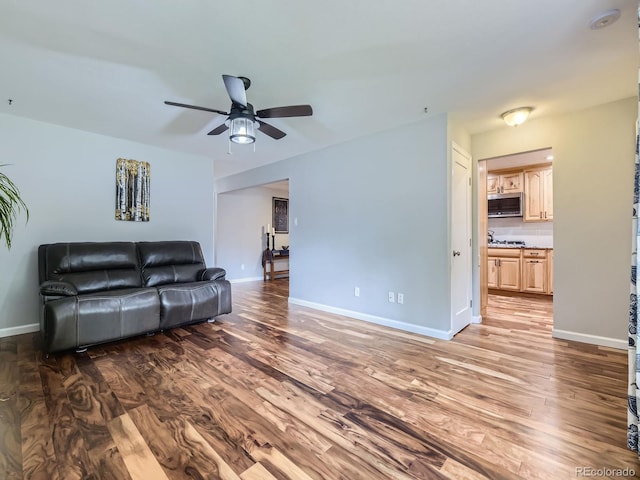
276 391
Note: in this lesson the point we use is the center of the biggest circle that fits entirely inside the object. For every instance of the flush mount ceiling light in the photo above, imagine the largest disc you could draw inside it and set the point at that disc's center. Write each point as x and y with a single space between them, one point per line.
604 19
517 116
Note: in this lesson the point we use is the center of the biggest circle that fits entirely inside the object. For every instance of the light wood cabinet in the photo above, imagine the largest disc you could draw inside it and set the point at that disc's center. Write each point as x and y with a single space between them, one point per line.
538 198
509 273
511 182
492 272
493 183
547 202
504 183
504 268
550 273
520 269
534 270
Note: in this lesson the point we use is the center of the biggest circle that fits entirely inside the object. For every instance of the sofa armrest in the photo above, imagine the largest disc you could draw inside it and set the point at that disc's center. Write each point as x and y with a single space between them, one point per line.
213 273
58 288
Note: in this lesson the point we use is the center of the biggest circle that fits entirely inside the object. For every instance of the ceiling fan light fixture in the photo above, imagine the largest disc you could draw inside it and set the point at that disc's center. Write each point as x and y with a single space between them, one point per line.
517 116
242 120
242 130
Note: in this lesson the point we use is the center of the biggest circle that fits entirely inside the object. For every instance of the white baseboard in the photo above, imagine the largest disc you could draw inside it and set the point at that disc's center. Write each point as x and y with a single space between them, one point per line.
476 319
592 339
387 322
11 331
246 279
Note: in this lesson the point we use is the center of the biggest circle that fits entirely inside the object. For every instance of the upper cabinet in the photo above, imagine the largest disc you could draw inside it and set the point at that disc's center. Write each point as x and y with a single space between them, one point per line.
504 183
493 183
538 198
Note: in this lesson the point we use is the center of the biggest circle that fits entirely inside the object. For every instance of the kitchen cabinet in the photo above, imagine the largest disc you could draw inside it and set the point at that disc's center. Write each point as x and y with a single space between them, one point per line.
550 273
509 278
504 268
511 182
492 272
534 270
493 183
520 269
538 198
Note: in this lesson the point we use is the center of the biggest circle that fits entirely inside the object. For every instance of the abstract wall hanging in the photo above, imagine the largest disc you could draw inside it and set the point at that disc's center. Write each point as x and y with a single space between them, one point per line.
280 215
132 190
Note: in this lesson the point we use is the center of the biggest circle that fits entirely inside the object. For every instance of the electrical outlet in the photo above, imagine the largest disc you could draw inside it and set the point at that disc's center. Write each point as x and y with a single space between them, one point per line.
392 297
401 298
356 292
242 267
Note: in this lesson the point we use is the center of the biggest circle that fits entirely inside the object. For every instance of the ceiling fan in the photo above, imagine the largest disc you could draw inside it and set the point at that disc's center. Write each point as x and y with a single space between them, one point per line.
242 120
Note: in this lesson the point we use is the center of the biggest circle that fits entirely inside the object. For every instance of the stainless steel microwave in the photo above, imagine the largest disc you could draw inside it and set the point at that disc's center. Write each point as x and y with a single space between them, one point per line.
505 205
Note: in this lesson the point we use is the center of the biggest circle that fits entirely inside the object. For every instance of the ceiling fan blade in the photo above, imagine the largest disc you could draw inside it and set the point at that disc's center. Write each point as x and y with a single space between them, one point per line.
270 130
218 130
290 111
235 89
195 107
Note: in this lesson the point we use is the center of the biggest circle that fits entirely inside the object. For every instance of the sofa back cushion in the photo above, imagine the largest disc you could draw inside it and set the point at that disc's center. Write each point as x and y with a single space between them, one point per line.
90 266
170 262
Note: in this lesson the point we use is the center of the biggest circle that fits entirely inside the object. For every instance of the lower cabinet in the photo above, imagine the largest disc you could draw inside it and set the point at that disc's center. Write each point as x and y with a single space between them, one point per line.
504 269
534 270
492 272
521 270
550 273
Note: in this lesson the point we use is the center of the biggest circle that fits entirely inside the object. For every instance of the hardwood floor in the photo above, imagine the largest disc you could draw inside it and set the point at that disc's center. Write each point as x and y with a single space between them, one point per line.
278 391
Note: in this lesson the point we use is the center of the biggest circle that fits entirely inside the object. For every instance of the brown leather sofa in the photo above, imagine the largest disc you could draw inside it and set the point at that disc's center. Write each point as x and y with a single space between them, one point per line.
96 292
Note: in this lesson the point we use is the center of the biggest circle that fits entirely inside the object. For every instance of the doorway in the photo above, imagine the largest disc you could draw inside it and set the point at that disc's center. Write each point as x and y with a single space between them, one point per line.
245 228
516 244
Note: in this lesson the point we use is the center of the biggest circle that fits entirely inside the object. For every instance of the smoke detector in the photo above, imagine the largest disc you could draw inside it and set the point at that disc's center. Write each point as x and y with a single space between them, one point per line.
604 19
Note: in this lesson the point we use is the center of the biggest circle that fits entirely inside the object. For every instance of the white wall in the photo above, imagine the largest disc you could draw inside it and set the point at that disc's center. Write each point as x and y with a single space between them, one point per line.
387 227
593 171
371 213
242 218
456 133
67 179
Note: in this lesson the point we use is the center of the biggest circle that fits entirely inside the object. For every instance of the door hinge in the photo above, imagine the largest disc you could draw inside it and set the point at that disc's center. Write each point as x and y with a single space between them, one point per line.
470 303
469 181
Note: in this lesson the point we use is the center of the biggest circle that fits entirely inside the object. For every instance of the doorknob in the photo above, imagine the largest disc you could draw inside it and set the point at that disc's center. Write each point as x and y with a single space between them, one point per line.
456 253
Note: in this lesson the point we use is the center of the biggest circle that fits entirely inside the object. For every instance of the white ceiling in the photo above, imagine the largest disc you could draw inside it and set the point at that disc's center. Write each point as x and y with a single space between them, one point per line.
364 66
522 159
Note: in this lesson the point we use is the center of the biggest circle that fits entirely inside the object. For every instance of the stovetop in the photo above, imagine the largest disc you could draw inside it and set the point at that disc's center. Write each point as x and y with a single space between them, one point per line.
506 244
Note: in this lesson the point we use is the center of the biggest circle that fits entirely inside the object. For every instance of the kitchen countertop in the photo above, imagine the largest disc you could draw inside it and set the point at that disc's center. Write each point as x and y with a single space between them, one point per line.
502 245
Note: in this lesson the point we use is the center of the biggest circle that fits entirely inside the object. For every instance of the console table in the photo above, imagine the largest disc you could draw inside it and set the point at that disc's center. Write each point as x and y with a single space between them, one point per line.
269 259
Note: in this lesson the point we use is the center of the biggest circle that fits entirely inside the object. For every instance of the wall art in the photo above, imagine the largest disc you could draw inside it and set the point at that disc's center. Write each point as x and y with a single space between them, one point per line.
133 179
281 215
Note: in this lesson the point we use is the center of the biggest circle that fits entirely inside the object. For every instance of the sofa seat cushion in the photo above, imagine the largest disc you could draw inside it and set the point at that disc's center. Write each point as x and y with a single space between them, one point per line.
187 302
98 317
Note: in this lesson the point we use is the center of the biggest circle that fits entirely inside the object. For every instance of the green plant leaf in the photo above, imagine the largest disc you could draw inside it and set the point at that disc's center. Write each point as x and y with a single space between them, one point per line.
11 204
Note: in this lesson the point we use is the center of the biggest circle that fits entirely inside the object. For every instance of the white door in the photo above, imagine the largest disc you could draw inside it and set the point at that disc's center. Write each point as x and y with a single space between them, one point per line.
460 240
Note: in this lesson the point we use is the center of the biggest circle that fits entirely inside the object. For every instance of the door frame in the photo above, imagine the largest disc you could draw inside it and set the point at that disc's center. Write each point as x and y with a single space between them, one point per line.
483 224
483 227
